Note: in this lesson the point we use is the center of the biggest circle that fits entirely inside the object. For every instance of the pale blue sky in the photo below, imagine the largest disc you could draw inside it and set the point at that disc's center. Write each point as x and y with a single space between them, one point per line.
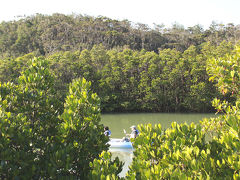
185 12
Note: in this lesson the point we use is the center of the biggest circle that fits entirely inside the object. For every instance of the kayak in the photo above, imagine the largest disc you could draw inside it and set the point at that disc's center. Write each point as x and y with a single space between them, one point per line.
119 143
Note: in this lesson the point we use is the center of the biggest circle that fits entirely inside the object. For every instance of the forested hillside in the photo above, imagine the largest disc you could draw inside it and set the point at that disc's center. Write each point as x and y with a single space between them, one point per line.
45 35
131 66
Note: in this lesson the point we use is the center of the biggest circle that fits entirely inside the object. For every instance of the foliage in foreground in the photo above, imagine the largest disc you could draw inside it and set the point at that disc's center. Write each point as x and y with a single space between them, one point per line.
104 168
40 137
181 152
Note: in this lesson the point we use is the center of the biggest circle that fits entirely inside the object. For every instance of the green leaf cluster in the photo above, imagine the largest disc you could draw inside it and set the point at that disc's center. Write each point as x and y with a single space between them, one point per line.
182 152
179 152
104 168
40 136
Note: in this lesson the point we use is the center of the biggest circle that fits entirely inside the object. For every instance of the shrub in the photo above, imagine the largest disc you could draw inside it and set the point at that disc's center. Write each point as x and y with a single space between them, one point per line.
40 137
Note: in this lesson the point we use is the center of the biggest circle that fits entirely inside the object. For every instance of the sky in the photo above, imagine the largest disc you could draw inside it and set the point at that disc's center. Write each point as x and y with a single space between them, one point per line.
185 12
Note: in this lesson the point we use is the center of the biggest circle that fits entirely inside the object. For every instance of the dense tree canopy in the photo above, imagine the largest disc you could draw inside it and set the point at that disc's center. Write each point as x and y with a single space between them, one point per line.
131 80
132 67
45 34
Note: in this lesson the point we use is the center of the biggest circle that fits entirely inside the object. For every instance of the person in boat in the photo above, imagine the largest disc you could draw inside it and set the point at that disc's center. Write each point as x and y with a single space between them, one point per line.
107 132
134 132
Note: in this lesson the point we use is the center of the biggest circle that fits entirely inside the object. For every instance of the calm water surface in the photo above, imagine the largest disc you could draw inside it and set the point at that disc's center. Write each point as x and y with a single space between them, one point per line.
118 122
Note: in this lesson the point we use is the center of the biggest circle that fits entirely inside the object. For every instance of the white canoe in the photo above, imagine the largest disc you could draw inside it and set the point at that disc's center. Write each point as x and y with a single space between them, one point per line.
119 143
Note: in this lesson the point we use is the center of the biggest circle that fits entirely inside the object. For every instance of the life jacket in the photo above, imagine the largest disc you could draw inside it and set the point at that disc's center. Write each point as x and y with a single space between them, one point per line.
134 133
107 133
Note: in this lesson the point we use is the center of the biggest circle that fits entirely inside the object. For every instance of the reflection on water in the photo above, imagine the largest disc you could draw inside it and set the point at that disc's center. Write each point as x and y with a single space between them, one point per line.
124 155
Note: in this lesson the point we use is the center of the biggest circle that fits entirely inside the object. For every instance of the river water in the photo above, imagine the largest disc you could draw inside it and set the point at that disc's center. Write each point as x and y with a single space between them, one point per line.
118 122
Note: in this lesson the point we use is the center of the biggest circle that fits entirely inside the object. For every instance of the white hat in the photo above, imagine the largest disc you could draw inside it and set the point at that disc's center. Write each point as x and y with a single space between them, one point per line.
133 126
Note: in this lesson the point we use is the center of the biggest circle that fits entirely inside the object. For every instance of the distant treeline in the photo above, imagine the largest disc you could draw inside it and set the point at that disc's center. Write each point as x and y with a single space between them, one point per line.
132 80
44 35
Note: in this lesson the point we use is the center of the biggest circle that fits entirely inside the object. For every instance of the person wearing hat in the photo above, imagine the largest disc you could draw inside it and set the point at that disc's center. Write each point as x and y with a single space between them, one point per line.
134 132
